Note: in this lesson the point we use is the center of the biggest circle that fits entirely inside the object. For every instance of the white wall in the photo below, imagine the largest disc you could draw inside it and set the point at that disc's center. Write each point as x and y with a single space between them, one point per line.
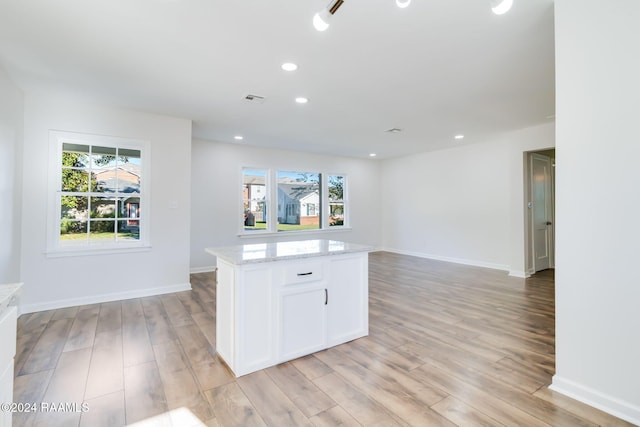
217 184
464 204
11 118
598 193
518 143
66 281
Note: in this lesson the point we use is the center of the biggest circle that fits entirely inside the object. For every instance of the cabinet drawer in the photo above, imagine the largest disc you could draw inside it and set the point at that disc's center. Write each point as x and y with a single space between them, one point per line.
302 272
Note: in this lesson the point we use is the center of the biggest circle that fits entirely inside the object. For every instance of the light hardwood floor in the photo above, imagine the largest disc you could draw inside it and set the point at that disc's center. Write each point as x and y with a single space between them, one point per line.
448 345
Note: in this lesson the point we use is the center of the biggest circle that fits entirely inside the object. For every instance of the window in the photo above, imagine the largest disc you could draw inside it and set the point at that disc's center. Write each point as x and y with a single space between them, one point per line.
100 193
302 201
254 199
298 201
336 185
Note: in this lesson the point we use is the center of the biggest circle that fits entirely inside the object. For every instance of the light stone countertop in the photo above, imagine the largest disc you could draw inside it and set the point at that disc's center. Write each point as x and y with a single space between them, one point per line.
7 294
277 251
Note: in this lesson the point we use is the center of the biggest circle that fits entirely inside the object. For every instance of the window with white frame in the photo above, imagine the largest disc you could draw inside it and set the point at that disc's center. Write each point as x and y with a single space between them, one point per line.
337 201
302 201
299 201
254 199
99 199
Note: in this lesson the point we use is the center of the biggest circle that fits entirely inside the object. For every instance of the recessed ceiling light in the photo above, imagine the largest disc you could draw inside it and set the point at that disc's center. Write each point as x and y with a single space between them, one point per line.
289 66
238 137
372 154
301 100
459 136
402 3
500 7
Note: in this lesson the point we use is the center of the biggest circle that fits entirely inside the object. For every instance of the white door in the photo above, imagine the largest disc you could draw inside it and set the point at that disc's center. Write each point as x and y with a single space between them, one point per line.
542 211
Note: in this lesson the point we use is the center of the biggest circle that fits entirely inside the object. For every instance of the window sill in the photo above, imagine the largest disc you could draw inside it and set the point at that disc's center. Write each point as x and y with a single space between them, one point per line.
89 251
259 234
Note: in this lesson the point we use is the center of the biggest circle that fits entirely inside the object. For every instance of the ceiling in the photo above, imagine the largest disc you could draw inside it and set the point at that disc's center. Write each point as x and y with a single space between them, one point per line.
435 69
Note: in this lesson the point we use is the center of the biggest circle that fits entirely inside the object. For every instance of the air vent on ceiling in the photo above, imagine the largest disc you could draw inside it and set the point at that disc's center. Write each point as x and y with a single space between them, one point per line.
393 130
254 99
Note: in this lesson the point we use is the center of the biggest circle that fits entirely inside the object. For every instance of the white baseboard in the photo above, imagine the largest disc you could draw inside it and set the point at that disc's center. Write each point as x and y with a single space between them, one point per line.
474 263
520 274
609 404
196 270
97 299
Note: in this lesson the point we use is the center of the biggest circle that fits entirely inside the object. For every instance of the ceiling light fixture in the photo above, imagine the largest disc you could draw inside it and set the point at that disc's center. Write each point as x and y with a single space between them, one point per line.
372 154
301 100
238 137
500 7
289 66
321 19
459 136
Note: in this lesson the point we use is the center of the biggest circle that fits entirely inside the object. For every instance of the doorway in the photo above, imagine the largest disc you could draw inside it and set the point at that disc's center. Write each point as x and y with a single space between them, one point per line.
540 191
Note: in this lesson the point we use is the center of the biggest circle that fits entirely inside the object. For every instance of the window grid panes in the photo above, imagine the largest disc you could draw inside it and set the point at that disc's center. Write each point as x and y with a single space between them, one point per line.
100 196
290 201
254 199
298 201
335 188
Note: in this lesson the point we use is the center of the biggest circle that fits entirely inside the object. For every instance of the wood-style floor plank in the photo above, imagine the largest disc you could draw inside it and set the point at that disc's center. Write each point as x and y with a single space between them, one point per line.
232 408
144 393
275 408
110 317
104 411
448 345
307 397
46 352
83 329
136 344
106 374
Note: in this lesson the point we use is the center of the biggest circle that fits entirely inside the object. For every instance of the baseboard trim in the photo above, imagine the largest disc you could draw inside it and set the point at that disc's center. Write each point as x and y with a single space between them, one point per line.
520 274
196 270
473 263
609 404
97 299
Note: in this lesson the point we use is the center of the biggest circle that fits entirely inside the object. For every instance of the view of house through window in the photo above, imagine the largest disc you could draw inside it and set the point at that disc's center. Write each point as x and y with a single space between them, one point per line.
280 201
298 201
99 195
254 199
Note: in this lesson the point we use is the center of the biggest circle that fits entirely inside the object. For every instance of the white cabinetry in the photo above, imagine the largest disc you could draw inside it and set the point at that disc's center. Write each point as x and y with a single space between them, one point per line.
271 312
245 316
348 299
7 352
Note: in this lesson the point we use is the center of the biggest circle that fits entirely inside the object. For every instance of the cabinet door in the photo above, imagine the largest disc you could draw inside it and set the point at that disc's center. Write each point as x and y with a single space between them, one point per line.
256 337
348 304
302 321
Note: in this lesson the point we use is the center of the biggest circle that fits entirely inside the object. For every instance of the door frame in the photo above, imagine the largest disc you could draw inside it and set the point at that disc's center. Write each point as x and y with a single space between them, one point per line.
528 193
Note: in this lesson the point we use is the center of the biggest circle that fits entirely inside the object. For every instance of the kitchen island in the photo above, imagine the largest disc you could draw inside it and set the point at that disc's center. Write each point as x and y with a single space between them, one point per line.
279 301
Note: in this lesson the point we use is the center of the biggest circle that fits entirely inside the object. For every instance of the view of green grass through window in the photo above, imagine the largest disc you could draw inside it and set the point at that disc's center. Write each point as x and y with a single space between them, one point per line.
298 200
254 199
100 193
336 200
